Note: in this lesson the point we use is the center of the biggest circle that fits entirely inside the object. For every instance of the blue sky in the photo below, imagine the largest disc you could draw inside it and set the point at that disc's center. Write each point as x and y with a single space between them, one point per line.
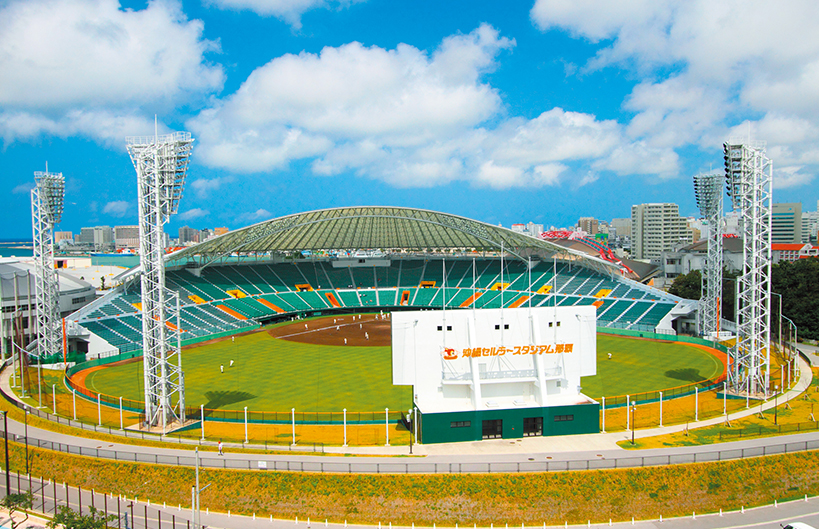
500 111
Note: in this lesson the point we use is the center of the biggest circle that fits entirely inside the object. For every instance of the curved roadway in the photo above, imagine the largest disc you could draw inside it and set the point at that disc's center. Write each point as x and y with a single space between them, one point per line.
531 454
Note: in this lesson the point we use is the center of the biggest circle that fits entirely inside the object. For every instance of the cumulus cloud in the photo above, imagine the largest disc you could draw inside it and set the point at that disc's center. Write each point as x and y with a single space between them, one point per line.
288 10
792 176
727 60
203 187
85 67
24 188
194 213
404 116
255 216
117 208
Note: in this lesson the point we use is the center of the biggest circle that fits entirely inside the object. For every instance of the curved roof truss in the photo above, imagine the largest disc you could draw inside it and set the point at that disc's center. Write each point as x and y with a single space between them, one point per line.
375 227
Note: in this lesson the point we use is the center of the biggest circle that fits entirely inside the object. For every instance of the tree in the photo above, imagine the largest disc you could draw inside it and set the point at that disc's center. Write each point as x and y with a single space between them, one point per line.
18 502
798 283
102 283
688 286
70 519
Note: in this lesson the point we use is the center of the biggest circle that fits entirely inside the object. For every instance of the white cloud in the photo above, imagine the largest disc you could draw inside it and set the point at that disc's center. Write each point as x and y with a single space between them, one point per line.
117 208
299 106
410 118
203 187
101 125
637 158
86 67
288 10
194 213
255 216
792 176
22 189
727 60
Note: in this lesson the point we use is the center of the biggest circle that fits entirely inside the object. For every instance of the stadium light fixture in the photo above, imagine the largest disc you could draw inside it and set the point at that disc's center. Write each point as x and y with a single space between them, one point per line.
749 178
161 163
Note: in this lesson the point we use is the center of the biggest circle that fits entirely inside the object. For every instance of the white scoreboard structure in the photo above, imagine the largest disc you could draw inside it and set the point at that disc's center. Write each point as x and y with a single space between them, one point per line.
497 373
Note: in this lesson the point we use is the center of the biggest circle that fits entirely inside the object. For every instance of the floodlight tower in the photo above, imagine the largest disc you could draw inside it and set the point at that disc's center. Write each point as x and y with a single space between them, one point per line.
161 163
708 190
749 176
47 199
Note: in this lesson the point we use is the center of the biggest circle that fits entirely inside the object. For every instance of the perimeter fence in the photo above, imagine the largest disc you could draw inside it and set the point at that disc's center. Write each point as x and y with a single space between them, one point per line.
377 465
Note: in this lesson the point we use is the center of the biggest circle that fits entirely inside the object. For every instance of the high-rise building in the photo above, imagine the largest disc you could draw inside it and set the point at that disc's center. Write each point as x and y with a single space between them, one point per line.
187 235
786 223
63 236
588 224
100 237
657 227
126 236
621 226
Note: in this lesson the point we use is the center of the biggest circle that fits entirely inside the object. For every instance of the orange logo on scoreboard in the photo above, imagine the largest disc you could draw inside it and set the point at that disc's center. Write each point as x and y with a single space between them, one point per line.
476 352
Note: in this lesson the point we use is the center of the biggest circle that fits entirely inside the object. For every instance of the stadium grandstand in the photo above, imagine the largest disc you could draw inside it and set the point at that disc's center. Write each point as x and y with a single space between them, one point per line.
371 259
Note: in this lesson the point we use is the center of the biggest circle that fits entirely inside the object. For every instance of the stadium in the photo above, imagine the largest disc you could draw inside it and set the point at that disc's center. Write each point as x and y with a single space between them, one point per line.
328 265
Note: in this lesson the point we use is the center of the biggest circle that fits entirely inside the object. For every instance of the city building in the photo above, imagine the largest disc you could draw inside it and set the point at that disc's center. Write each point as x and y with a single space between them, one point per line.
588 224
188 235
100 238
786 223
689 257
531 229
60 236
126 237
792 251
622 227
657 227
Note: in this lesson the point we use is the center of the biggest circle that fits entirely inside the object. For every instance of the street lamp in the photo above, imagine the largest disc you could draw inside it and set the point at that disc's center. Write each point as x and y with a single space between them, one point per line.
780 319
6 438
25 419
776 394
633 426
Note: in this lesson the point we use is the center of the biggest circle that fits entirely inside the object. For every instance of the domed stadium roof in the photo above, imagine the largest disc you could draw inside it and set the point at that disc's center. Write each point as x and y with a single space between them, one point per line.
375 227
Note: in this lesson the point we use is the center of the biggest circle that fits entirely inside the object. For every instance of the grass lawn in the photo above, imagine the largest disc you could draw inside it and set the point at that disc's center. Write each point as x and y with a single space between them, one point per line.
276 375
638 365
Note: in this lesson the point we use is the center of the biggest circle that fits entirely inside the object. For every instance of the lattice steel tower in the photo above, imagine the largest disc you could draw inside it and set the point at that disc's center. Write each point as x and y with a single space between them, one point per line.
749 175
161 164
47 199
709 191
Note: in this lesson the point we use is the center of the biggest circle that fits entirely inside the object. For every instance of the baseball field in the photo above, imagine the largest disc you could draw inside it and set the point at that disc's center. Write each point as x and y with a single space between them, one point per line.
307 365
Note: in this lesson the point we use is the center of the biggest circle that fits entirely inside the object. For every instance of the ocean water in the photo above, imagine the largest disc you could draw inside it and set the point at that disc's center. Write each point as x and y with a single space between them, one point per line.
16 248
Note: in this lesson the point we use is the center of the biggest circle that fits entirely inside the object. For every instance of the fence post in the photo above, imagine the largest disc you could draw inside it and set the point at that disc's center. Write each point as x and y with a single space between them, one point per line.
345 427
120 414
54 397
387 425
293 423
202 419
661 409
604 414
245 424
696 404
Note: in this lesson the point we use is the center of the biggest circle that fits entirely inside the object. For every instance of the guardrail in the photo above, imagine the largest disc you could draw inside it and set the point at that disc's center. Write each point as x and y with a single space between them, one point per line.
422 466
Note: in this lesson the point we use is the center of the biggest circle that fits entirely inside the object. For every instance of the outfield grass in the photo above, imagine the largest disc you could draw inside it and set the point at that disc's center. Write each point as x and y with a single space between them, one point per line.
276 375
638 365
